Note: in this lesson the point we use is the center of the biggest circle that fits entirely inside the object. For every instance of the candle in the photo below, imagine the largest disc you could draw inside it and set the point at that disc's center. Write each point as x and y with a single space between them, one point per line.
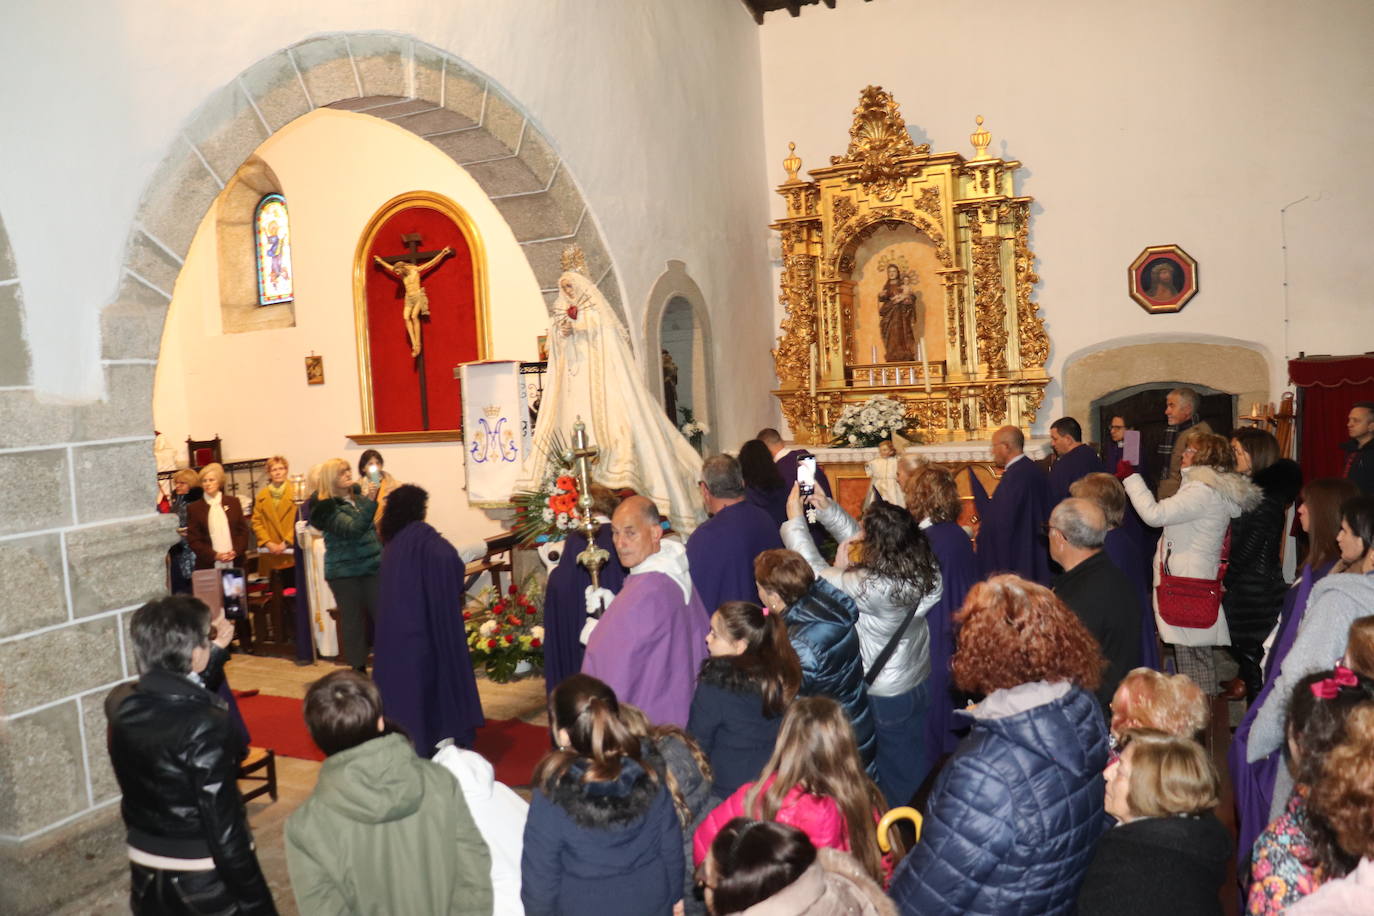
875 353
925 366
813 370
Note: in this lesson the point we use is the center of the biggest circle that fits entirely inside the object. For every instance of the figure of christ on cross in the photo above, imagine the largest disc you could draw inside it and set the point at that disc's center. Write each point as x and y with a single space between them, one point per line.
409 269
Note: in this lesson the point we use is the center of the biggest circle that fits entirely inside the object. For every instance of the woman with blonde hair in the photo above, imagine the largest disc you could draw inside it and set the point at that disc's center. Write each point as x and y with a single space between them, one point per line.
352 554
1014 816
274 515
216 530
1195 522
1168 851
181 558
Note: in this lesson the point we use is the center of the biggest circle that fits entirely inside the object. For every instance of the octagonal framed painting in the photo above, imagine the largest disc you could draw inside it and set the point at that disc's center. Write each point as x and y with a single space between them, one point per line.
1162 279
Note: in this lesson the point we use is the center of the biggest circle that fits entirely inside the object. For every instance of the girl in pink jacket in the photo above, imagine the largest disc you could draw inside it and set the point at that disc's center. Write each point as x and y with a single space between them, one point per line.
815 781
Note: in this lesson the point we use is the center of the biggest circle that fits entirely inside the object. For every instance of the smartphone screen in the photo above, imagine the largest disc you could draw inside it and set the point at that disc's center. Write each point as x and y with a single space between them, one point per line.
1130 447
806 475
234 592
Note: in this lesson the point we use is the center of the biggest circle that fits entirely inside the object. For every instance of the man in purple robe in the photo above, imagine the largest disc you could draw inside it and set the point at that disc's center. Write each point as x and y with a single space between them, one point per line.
1073 461
786 458
721 552
422 665
650 643
1011 535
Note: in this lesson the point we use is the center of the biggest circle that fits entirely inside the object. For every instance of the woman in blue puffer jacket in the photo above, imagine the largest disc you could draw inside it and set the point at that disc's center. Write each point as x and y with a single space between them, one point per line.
1015 817
820 625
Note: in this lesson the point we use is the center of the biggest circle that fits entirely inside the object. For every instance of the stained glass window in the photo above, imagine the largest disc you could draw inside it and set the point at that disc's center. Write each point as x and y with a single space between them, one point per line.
272 232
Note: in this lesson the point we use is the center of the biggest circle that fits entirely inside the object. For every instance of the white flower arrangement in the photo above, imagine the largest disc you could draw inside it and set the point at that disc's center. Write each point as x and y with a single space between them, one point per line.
870 422
694 428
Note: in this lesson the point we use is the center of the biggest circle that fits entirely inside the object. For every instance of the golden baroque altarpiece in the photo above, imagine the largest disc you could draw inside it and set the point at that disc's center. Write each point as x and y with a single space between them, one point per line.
993 370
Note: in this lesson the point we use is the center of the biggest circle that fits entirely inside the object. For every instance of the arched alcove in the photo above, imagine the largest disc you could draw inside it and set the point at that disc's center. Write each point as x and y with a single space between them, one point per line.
235 230
677 321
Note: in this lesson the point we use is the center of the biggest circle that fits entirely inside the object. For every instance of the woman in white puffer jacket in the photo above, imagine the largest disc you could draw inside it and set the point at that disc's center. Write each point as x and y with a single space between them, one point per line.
1195 520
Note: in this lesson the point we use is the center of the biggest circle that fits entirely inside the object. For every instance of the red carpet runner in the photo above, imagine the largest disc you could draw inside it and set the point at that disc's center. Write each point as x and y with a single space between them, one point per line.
512 746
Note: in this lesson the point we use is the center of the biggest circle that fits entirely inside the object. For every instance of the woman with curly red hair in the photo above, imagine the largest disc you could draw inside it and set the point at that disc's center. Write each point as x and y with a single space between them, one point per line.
1016 814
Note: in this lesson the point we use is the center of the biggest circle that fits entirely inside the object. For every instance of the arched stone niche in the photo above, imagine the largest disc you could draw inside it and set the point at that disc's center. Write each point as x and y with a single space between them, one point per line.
235 232
677 307
1225 366
393 77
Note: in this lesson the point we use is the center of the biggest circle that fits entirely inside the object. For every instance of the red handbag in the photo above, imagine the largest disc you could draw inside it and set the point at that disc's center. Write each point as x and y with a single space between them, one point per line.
1188 602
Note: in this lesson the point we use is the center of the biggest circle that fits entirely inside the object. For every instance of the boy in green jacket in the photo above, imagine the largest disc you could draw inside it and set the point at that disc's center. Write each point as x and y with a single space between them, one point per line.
385 831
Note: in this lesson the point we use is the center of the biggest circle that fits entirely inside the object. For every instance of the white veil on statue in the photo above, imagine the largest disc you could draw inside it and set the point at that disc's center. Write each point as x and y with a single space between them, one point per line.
592 374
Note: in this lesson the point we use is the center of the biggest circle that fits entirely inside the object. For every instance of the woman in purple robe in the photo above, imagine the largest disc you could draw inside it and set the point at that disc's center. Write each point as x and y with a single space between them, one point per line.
1319 514
932 498
422 664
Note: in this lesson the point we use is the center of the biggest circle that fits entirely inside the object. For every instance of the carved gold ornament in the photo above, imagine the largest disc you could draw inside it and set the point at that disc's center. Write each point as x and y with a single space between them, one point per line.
994 341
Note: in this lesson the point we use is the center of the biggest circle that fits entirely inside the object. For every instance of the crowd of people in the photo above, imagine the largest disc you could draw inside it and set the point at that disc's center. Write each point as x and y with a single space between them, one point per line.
736 754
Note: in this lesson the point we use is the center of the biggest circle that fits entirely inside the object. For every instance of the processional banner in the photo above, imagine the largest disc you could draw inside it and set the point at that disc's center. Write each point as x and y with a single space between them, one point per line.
496 429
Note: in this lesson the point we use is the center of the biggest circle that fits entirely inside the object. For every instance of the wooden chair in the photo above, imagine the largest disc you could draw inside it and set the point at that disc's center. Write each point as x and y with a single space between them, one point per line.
258 760
200 452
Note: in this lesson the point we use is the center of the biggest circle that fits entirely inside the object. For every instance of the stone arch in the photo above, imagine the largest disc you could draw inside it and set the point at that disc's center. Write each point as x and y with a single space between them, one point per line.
393 77
1223 364
675 283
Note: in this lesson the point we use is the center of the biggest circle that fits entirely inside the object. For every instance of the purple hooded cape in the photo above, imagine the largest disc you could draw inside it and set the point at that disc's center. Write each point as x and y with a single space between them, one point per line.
1253 783
1077 464
565 607
423 667
649 647
721 552
1011 536
958 573
1127 550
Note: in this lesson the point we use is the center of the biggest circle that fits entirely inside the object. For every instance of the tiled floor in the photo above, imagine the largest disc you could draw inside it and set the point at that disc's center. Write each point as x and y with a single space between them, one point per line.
296 778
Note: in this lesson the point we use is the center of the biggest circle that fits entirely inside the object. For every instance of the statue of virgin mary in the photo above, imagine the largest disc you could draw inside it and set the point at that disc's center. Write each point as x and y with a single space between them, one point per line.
592 374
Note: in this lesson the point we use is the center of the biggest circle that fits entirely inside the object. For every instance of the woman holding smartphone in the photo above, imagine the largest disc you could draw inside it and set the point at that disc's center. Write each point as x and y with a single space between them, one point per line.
376 482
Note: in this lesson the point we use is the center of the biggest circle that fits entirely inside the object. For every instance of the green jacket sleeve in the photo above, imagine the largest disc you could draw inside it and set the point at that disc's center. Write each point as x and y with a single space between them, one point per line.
316 891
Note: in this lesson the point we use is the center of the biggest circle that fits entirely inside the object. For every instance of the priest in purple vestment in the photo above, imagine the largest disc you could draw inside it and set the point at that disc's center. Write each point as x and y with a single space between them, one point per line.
1073 460
650 643
422 664
721 552
1011 535
932 498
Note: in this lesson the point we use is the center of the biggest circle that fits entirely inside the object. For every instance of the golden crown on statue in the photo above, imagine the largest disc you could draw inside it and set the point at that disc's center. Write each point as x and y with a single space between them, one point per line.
575 260
888 258
492 411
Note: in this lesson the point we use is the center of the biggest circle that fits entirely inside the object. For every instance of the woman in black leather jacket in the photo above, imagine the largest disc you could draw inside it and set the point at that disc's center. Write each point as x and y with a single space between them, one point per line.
172 746
1255 586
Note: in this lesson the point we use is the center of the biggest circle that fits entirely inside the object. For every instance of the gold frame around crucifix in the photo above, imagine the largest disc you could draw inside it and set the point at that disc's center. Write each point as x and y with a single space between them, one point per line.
978 283
362 264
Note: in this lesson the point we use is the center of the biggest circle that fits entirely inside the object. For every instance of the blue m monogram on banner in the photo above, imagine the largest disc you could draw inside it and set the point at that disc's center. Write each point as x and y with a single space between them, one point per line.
493 442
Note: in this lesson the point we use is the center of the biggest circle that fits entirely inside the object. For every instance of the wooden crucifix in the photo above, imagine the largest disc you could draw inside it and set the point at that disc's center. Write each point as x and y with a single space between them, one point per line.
409 269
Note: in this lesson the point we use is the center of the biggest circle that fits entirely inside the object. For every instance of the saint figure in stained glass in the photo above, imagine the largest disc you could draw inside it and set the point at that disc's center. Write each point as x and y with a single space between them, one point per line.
273 238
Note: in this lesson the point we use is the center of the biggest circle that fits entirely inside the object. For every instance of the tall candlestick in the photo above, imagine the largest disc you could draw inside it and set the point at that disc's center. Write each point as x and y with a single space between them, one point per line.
925 366
813 370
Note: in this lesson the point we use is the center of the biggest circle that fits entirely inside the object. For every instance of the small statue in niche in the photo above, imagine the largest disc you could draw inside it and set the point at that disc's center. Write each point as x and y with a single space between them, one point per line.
669 386
898 313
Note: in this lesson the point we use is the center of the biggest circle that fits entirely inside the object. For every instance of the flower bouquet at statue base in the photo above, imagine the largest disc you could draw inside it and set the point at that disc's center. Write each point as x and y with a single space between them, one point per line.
866 424
549 512
504 633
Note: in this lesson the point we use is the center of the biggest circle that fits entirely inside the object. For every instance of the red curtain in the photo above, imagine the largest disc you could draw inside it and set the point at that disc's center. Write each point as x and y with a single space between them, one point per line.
450 331
1327 386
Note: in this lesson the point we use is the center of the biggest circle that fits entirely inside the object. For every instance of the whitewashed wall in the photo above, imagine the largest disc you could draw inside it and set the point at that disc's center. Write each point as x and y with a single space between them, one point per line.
654 106
1170 122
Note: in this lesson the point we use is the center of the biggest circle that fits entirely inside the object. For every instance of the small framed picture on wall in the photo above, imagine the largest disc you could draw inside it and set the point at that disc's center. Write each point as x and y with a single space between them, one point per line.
1162 279
314 370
